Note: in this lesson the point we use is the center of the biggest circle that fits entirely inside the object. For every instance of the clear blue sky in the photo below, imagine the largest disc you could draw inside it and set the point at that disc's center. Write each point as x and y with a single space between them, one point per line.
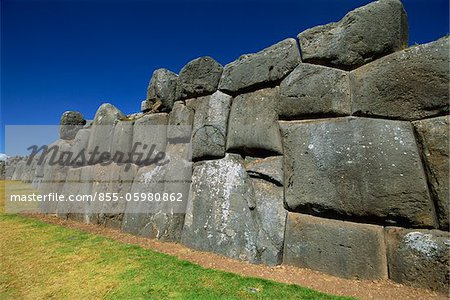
75 55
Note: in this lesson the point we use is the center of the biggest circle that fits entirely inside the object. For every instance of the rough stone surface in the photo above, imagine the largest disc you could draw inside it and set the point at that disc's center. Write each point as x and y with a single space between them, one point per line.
311 91
71 122
357 169
199 77
410 84
150 130
210 126
102 128
419 258
266 67
339 248
122 141
269 168
253 125
79 182
363 35
80 146
181 119
162 87
224 216
433 138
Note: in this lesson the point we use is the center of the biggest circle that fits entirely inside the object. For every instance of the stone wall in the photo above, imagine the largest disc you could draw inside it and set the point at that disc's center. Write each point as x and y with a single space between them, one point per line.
329 151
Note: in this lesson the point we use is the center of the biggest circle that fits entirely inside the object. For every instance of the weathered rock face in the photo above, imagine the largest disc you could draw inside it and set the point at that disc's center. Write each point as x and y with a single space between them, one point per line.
210 126
71 122
312 90
410 85
270 168
266 67
224 216
340 248
356 168
253 125
199 77
80 146
102 129
363 35
149 131
162 87
80 183
181 119
122 141
433 138
419 258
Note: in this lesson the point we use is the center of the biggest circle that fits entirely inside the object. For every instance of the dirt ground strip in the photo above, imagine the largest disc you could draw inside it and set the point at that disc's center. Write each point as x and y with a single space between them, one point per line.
362 289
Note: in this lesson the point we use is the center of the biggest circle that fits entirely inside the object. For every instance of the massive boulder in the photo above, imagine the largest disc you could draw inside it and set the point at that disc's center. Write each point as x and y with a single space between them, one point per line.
357 169
210 126
409 85
122 141
79 148
181 119
224 215
267 67
363 35
71 122
433 138
419 257
102 130
339 248
314 91
161 89
149 132
199 77
253 123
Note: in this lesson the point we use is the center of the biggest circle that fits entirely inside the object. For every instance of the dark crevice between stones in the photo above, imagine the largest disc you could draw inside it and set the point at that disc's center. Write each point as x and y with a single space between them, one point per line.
254 87
207 158
323 212
264 177
433 196
327 63
306 117
253 152
369 115
299 49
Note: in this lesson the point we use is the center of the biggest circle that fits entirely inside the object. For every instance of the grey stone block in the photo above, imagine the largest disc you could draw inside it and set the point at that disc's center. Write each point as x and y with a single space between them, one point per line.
268 168
122 141
409 85
311 91
356 169
433 138
253 126
200 77
363 35
210 126
162 87
181 119
419 257
71 122
263 69
339 248
151 132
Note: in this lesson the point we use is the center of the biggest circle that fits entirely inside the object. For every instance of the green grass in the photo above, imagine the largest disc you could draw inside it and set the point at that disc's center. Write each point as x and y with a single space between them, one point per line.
44 261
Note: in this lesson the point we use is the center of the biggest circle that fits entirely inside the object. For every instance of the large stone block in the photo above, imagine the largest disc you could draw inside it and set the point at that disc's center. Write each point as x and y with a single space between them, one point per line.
232 214
162 88
79 150
199 77
433 138
102 130
363 35
122 141
312 90
419 258
71 122
181 119
149 131
269 168
210 125
79 184
339 248
356 169
410 84
265 68
253 123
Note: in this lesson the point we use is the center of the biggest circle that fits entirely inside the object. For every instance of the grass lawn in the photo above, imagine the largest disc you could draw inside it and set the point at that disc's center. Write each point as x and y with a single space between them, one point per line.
39 260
